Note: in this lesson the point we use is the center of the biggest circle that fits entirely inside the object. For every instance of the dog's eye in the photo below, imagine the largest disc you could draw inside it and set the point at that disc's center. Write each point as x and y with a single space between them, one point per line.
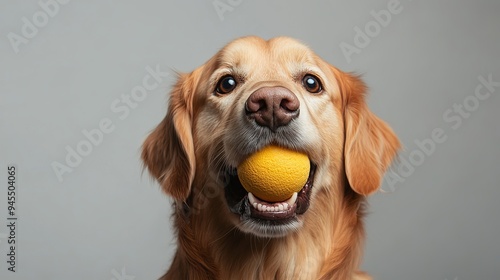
225 85
311 83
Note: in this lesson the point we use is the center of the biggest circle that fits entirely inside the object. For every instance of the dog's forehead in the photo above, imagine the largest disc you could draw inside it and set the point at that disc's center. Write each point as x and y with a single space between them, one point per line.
257 52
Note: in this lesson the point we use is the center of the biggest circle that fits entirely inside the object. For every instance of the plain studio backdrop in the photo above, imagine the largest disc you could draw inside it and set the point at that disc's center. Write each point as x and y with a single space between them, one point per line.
83 82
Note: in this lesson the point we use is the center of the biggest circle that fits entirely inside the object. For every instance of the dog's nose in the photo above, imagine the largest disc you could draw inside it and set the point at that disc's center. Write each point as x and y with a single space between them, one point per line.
272 107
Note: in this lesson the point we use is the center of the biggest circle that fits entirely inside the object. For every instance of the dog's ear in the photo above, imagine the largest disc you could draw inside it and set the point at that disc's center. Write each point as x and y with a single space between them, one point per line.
370 144
168 152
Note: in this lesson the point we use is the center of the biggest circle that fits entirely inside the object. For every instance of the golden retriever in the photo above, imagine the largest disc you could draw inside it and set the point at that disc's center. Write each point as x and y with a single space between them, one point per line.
254 93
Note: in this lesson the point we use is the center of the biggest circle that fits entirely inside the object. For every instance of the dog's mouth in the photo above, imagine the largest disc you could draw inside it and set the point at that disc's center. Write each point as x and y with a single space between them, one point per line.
263 213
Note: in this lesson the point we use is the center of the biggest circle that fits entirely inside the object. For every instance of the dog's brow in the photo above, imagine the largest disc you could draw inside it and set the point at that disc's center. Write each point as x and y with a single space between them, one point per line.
302 69
227 70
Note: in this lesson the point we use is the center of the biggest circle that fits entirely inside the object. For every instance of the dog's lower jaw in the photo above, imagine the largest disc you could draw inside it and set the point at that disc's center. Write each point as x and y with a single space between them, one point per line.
267 224
260 227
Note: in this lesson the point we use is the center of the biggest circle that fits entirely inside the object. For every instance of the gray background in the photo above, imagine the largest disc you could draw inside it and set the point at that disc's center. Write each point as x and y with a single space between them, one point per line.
106 221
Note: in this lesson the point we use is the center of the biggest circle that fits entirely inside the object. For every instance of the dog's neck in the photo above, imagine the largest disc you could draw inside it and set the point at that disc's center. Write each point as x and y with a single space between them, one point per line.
324 248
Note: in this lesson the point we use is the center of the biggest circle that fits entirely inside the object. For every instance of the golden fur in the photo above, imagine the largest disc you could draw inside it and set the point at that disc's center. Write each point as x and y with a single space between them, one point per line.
201 135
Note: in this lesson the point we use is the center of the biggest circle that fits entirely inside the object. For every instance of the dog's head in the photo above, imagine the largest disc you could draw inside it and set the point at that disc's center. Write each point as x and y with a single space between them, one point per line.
255 93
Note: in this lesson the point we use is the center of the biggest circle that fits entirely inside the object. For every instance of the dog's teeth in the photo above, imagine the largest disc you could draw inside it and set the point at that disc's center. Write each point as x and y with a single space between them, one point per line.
291 200
276 207
251 198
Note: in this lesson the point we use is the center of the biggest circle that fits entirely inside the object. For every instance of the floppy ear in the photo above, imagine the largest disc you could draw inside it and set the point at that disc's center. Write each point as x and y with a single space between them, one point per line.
370 144
168 152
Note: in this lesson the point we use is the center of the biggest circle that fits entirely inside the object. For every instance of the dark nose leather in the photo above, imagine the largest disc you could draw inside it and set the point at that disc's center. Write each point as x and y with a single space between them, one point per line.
272 107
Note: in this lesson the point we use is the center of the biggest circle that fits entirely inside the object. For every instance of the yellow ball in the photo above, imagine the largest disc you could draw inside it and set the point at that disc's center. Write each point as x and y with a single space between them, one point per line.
273 174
